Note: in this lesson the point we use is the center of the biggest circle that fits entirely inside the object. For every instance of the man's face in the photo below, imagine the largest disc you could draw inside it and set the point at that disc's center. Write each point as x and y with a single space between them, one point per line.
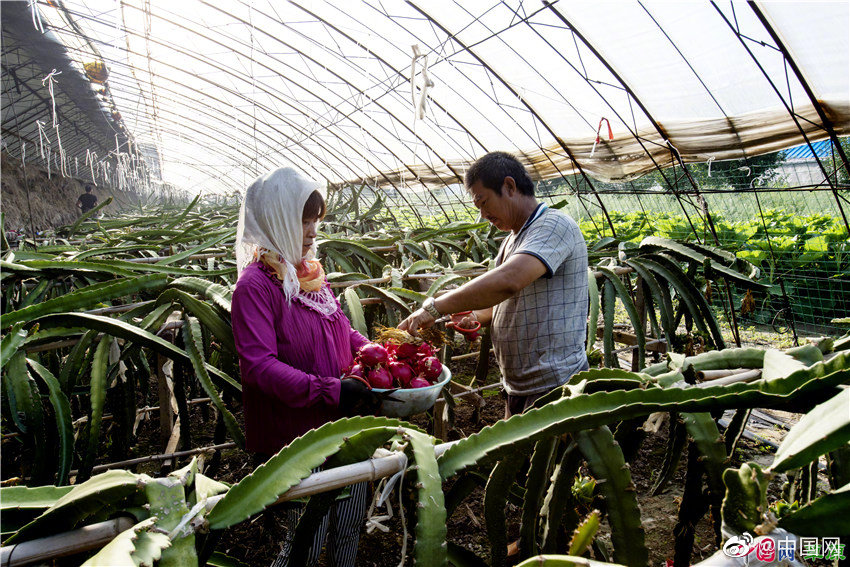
494 208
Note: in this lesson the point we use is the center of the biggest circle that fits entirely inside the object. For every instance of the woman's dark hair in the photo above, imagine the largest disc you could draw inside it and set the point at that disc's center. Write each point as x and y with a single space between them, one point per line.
314 208
491 170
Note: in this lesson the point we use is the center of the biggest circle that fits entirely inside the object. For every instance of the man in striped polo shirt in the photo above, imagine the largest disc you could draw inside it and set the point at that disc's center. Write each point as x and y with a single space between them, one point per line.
535 299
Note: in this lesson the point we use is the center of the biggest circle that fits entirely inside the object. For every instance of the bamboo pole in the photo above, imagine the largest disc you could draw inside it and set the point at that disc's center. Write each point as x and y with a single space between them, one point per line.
475 391
467 355
60 545
747 376
427 276
162 457
703 375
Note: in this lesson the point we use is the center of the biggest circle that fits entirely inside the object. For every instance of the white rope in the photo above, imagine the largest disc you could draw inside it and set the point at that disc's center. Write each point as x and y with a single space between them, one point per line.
61 152
381 497
672 147
41 136
711 159
598 132
50 81
416 55
427 83
48 162
23 153
90 159
36 15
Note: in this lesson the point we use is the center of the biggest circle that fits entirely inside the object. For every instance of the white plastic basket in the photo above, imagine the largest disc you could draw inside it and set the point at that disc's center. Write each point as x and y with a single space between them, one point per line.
414 400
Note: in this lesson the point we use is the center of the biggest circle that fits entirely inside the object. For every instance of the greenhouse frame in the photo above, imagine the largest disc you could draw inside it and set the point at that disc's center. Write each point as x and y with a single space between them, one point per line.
700 147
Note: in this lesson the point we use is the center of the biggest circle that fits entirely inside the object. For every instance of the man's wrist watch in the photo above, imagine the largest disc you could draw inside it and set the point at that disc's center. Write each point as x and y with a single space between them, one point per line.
428 305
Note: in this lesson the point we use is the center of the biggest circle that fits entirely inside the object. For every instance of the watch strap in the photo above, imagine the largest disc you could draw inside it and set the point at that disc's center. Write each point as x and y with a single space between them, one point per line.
428 305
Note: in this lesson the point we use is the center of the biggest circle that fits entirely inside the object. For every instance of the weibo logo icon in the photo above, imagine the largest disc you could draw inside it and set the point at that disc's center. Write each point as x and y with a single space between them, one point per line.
742 546
738 546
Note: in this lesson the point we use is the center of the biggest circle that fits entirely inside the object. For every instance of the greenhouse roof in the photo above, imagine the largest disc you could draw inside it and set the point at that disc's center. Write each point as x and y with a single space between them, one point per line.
407 94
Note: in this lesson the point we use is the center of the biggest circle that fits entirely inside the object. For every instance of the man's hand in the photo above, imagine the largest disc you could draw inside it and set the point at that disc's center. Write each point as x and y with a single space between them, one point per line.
419 319
464 320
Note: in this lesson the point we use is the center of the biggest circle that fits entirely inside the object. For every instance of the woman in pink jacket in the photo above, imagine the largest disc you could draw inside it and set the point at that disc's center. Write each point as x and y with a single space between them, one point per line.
294 341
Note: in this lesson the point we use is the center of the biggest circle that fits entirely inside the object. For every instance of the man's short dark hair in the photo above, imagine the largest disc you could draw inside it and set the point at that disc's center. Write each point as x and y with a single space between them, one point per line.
491 170
88 188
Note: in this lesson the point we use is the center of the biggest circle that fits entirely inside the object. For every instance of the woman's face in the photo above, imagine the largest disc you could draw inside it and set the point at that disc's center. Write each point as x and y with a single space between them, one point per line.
309 226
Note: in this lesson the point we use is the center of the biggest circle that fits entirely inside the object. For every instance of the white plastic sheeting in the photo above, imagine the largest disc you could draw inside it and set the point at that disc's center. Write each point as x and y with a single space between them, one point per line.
227 90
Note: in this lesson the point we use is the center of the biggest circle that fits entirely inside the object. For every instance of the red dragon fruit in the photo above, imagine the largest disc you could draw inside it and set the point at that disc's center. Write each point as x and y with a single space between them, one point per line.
373 354
356 370
380 377
405 351
419 382
425 350
401 372
430 368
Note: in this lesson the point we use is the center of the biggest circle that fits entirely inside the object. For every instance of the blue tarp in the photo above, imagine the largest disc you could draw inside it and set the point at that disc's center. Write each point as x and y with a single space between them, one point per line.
823 150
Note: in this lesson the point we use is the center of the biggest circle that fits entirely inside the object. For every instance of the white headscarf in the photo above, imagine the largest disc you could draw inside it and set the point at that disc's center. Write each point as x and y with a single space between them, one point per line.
270 217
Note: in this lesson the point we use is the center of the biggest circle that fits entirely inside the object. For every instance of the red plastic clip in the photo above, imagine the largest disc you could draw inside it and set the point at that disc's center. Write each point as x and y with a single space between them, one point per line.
470 333
599 129
598 138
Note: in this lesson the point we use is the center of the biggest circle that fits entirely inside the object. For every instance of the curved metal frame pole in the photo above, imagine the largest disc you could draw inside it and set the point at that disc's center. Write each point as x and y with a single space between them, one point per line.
528 106
239 95
274 96
398 72
640 104
578 195
657 126
349 116
826 122
485 118
790 110
59 114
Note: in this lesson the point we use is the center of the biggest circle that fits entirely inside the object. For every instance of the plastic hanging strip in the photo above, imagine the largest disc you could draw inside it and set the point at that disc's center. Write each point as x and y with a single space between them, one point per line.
382 494
61 152
36 15
50 81
416 55
41 137
672 147
23 153
427 83
90 160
